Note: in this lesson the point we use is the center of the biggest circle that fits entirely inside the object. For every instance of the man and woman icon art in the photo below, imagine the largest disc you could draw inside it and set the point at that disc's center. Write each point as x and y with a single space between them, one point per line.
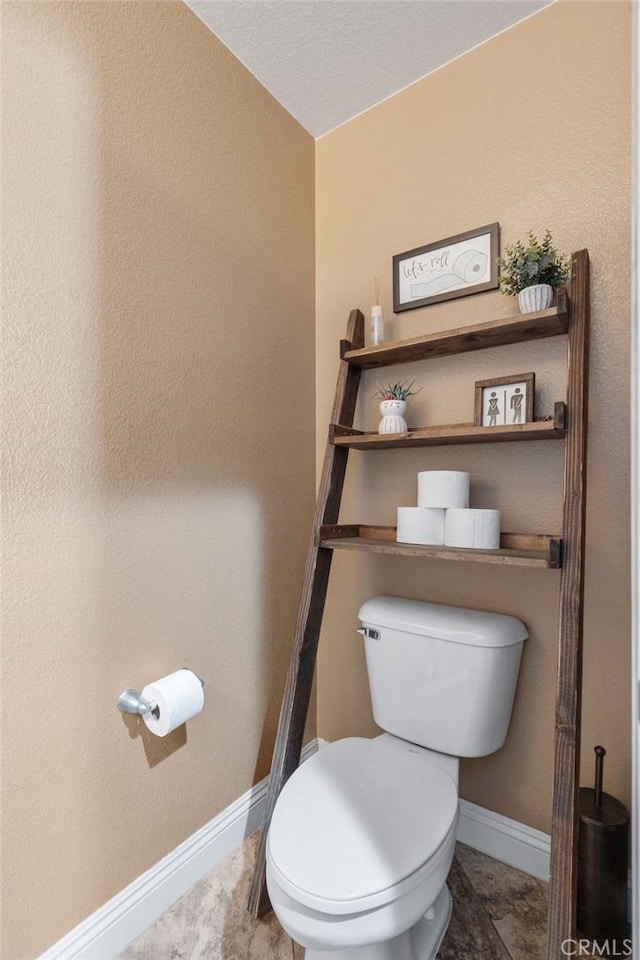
515 404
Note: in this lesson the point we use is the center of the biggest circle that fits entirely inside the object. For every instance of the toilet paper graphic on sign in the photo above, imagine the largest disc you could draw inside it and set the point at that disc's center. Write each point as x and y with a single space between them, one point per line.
468 267
173 699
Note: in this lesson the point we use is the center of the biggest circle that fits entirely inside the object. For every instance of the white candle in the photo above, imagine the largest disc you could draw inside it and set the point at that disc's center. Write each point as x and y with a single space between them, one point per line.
377 325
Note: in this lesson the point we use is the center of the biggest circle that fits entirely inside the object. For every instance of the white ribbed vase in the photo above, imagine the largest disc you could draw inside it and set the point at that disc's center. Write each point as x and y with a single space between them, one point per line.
393 416
537 297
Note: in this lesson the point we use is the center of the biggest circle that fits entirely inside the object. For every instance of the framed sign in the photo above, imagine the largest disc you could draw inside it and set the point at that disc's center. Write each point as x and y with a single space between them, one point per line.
455 267
505 400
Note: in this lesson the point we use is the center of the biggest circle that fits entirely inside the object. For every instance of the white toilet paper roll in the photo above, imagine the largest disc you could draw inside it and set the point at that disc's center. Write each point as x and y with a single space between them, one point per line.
443 489
472 528
420 525
174 699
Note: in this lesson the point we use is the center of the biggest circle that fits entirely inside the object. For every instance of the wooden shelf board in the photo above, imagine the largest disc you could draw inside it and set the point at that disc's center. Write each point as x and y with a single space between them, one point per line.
450 434
479 336
516 549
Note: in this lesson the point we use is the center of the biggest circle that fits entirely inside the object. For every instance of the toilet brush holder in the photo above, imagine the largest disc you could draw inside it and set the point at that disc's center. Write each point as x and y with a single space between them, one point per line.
603 861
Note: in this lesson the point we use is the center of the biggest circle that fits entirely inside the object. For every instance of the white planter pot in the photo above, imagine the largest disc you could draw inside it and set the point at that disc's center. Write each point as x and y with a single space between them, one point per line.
393 416
537 297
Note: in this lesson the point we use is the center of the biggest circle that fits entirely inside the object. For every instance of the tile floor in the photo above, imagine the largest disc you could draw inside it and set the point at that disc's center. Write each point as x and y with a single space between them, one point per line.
499 914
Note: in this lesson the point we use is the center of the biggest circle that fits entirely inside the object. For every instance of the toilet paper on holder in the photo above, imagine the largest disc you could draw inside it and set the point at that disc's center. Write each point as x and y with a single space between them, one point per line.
166 703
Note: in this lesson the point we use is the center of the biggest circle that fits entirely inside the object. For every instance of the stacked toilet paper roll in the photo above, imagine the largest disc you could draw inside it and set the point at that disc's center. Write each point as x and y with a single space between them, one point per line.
443 489
443 515
479 529
420 525
438 490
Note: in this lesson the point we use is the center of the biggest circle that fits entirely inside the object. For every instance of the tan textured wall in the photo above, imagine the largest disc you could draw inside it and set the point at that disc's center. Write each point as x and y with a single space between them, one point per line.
531 129
159 267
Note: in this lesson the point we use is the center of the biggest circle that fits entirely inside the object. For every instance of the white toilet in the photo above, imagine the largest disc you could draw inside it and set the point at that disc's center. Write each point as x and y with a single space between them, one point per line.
363 834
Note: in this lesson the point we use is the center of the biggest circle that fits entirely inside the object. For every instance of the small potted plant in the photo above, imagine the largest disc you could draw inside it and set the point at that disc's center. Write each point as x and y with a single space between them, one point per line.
532 271
393 404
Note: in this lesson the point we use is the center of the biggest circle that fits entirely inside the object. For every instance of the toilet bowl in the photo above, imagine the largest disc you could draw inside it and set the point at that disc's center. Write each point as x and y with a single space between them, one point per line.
362 835
359 849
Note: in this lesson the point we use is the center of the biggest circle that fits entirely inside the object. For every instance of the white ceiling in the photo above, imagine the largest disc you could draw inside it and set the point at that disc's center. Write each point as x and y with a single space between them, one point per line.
328 60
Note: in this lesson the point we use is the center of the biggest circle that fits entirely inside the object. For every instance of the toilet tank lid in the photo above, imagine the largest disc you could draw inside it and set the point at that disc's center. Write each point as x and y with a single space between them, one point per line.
455 624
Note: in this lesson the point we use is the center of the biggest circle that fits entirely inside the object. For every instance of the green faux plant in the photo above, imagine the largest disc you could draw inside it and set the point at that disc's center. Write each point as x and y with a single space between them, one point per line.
523 265
397 391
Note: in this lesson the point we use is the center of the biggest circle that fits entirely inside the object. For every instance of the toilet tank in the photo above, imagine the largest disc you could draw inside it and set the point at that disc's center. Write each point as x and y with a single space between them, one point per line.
442 677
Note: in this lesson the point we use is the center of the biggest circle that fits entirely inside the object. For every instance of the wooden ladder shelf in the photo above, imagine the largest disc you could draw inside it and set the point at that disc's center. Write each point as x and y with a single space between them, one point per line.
565 552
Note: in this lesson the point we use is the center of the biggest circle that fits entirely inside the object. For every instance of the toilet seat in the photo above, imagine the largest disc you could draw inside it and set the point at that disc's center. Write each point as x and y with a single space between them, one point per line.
361 822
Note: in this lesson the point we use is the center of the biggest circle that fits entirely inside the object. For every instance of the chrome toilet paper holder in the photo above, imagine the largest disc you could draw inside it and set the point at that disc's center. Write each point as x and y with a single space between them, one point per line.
130 701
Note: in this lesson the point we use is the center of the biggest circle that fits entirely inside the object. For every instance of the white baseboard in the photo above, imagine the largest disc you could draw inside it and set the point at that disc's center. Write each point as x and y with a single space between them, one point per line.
506 840
108 931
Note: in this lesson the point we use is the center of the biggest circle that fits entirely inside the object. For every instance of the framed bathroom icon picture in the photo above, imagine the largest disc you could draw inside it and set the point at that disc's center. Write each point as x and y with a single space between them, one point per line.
505 401
454 267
